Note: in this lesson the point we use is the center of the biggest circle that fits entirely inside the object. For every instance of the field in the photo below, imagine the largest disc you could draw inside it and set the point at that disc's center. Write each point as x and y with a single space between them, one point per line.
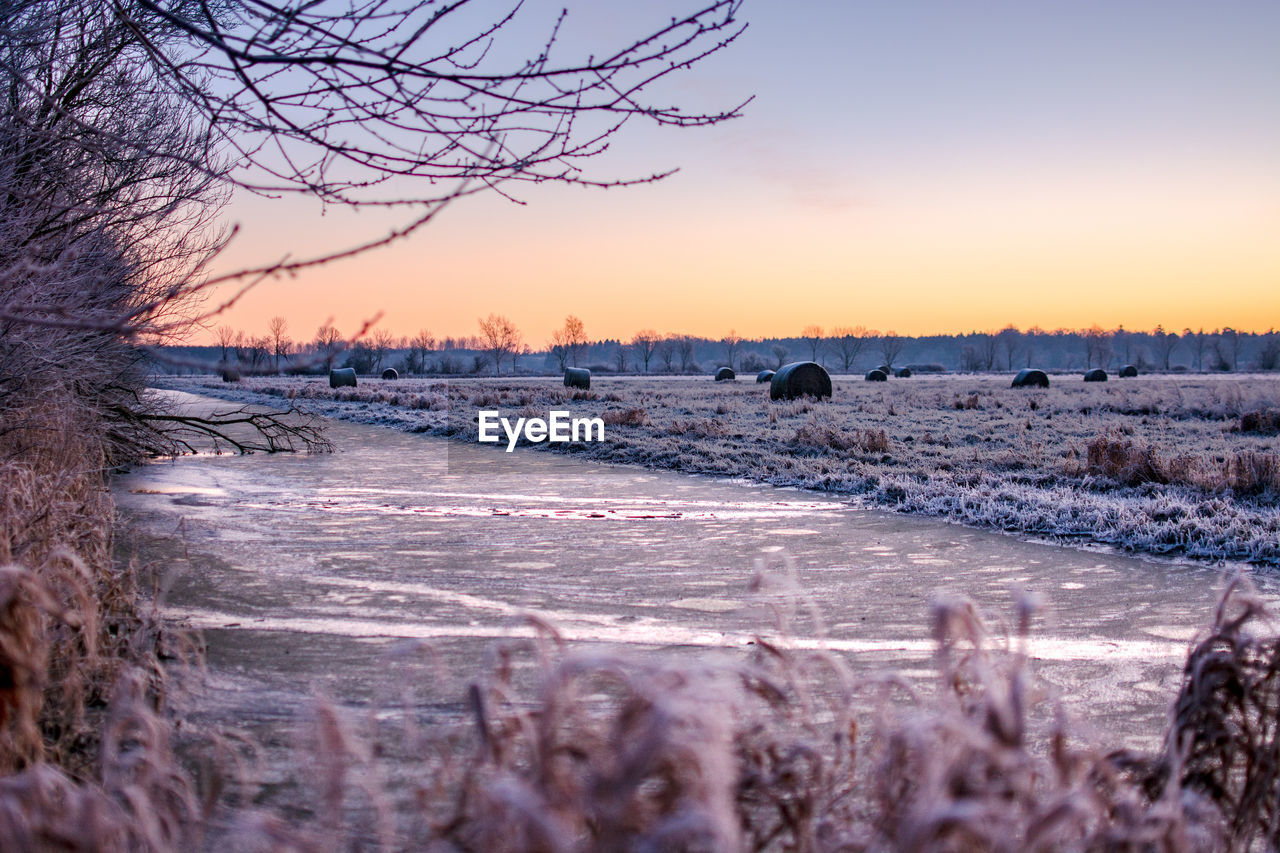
1182 466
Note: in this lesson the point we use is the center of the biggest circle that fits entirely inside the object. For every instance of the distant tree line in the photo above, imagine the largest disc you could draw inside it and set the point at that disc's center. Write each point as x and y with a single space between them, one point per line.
499 347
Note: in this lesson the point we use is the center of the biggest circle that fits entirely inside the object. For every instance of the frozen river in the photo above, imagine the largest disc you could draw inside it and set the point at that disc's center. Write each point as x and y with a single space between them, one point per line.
303 571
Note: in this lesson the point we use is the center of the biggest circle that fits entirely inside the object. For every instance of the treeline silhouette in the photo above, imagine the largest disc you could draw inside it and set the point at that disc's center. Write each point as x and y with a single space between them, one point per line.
500 348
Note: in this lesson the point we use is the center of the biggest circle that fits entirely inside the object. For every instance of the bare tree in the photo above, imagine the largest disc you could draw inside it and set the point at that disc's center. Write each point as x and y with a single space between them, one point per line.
226 337
684 348
667 351
646 342
1097 346
849 343
277 330
986 346
241 346
1010 339
780 354
329 344
347 105
890 347
812 335
731 342
1164 344
448 109
1226 346
500 338
1197 341
381 342
558 350
620 358
259 353
1122 344
417 348
568 341
109 195
575 337
341 104
1269 352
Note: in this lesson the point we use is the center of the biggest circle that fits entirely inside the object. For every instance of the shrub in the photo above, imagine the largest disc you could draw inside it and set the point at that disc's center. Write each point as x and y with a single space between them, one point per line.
699 427
1251 473
626 417
1110 455
822 435
1263 421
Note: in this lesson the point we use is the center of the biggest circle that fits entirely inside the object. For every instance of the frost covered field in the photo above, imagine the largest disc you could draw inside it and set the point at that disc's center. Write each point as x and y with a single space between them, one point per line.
1168 465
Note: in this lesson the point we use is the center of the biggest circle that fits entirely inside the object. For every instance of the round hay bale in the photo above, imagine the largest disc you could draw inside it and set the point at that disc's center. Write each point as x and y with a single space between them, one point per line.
903 373
725 374
577 377
390 373
230 374
1096 375
886 370
800 379
1128 371
877 376
764 376
342 376
1029 377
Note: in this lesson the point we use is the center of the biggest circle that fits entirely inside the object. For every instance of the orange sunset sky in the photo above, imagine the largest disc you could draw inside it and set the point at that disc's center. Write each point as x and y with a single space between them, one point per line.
917 166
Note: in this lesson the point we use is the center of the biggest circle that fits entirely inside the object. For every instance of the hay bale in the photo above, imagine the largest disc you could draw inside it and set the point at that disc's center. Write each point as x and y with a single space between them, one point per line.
1096 375
725 374
577 377
886 370
1128 371
877 376
1031 378
903 373
390 373
342 376
230 374
800 379
764 376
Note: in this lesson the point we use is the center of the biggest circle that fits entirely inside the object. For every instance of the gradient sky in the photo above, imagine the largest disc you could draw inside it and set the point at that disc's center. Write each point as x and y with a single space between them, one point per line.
917 166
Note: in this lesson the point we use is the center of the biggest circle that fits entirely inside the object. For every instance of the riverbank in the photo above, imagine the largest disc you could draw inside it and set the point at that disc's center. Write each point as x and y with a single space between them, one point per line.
1171 466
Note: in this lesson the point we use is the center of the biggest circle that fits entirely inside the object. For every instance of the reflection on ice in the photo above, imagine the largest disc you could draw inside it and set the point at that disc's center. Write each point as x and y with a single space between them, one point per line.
178 489
665 634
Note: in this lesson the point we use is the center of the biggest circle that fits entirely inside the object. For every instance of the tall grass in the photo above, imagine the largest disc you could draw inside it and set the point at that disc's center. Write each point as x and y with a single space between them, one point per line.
586 751
818 435
85 761
54 537
1132 463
